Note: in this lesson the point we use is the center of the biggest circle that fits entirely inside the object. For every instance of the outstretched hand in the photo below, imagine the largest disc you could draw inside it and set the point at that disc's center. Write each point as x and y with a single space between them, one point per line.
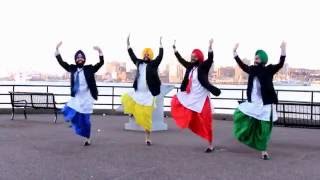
283 45
236 47
97 48
58 45
128 40
174 45
210 43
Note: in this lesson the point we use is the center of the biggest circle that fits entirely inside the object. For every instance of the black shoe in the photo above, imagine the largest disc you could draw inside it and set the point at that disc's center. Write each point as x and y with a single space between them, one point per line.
209 150
87 143
265 157
148 143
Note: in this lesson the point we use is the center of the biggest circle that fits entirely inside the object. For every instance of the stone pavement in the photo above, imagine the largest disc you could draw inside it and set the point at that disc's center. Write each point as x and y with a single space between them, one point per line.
37 149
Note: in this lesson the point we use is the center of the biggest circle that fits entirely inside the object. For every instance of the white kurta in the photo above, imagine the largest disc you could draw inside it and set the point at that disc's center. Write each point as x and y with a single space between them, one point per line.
198 94
256 108
83 100
142 95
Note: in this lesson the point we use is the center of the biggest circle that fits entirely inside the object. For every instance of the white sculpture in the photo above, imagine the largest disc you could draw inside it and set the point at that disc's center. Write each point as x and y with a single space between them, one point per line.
158 123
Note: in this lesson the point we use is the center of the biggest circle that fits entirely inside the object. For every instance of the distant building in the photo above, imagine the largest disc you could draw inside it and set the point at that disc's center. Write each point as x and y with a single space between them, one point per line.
213 75
226 72
37 77
299 74
66 76
176 72
283 74
131 75
117 70
239 75
164 74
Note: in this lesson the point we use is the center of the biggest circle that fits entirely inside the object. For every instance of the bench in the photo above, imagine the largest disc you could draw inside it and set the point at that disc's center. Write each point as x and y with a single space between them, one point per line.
33 100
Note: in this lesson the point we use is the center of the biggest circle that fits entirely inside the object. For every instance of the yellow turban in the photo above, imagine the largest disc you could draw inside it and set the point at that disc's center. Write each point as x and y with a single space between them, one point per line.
149 52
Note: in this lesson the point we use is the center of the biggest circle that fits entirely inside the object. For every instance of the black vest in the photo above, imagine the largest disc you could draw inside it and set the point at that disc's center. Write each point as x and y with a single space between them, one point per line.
265 76
152 77
153 80
88 70
203 78
203 73
90 79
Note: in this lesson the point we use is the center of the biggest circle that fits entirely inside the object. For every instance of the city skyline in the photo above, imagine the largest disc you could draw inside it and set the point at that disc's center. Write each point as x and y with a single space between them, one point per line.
118 72
173 64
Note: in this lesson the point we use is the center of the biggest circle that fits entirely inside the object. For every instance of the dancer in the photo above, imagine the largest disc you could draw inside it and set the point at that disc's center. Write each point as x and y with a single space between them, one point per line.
191 107
253 119
141 102
83 92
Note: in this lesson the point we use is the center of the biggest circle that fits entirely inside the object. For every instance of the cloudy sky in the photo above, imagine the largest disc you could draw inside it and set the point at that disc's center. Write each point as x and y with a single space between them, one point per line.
31 29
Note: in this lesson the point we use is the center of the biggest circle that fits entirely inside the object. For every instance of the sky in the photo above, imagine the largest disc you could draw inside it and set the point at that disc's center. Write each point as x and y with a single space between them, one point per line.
31 29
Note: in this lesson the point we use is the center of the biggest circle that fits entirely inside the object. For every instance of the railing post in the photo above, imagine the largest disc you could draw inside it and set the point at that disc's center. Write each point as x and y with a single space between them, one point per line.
242 91
284 115
312 105
112 99
47 89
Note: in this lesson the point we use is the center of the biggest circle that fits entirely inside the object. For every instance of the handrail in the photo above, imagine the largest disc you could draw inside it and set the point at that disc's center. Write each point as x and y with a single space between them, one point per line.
296 111
113 94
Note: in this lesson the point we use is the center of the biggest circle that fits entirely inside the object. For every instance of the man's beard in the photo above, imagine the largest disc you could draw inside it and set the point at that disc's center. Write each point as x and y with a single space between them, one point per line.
195 62
146 59
79 65
260 64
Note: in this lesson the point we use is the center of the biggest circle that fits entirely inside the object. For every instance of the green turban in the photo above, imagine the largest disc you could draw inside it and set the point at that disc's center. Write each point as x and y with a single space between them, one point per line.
262 55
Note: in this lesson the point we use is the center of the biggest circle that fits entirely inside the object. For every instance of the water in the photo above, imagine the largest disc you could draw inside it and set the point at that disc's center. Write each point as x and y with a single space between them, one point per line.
106 92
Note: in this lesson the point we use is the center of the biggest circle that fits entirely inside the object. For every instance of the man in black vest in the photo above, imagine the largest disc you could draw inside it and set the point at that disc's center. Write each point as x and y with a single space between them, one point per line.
191 107
253 119
141 102
83 92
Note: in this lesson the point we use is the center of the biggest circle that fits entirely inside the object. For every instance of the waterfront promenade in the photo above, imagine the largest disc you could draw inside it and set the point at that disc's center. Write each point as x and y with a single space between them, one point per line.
37 149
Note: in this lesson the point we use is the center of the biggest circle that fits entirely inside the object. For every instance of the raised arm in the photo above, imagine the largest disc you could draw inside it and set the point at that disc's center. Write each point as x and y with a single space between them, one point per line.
204 70
182 61
276 67
243 66
97 66
62 63
133 57
209 61
158 59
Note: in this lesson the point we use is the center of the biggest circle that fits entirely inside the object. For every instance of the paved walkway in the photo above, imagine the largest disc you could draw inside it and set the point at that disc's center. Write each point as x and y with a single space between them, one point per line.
37 149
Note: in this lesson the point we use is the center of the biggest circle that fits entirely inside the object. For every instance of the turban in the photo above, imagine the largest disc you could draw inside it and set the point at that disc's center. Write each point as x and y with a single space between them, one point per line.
79 54
147 51
262 55
197 53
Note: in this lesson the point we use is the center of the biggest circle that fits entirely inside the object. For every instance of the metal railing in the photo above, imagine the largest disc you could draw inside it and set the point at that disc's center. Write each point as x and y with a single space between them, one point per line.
295 108
298 114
